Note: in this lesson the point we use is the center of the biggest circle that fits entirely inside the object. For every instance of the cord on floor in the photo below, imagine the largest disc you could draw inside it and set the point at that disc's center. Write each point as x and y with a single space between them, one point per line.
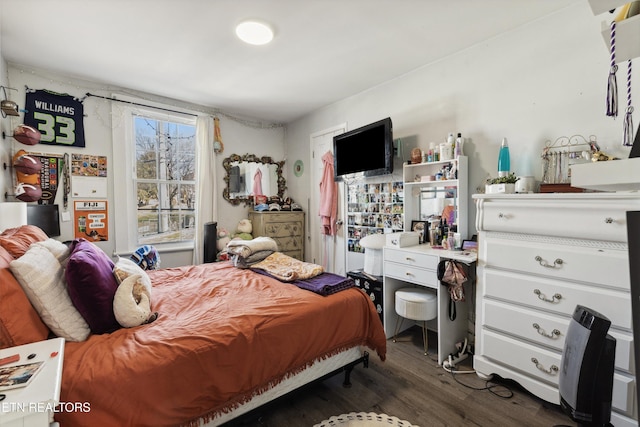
499 390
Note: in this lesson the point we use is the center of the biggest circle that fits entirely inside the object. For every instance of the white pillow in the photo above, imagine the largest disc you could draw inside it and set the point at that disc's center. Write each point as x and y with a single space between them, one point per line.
131 304
125 268
41 277
57 248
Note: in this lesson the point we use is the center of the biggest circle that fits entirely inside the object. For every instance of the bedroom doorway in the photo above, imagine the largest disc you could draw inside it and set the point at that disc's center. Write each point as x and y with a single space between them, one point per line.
328 251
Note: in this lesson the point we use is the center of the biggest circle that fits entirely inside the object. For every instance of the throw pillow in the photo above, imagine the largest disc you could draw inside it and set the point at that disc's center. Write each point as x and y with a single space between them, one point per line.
57 248
40 275
20 323
17 240
91 285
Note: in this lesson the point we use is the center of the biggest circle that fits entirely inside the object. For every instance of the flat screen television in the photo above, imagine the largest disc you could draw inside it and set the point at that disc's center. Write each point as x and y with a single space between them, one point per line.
46 217
366 151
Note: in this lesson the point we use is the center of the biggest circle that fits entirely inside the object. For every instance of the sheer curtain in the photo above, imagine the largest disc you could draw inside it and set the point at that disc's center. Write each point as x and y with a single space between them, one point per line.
206 186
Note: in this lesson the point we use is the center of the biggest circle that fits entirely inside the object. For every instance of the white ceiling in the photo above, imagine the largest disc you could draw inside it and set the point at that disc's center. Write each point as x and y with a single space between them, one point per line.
323 51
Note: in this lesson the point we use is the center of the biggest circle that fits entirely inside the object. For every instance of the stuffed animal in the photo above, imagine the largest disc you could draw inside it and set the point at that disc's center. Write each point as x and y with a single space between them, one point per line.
223 239
244 230
131 303
244 226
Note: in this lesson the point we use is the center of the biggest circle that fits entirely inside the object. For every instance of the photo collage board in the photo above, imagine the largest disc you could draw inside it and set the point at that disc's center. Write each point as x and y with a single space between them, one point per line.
373 209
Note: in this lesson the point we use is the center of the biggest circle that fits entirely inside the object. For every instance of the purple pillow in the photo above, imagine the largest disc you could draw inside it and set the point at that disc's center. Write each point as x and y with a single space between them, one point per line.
92 285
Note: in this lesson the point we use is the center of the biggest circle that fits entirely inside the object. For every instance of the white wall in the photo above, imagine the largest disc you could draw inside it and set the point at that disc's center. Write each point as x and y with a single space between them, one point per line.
5 126
539 82
237 137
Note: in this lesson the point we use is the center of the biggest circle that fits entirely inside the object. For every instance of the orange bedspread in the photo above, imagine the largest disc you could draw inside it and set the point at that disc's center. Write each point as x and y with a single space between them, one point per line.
222 335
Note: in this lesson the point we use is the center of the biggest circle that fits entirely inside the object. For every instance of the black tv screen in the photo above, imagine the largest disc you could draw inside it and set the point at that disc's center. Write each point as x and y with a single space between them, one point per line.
367 150
46 217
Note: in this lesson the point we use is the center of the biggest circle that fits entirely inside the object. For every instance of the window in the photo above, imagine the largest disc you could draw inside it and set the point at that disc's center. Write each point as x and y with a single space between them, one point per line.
164 180
154 158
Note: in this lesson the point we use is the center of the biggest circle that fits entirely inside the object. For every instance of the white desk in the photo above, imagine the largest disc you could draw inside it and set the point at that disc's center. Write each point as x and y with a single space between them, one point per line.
32 406
418 265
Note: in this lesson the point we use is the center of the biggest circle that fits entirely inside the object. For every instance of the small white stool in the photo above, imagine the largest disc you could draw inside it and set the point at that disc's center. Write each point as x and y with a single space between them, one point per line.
416 304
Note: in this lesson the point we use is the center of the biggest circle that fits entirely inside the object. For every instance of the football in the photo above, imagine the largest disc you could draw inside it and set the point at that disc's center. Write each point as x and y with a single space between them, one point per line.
27 135
26 164
28 192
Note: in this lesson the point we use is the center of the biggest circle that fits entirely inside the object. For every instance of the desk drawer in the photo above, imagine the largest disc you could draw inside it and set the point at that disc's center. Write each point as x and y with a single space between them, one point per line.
410 258
607 267
556 296
407 273
605 220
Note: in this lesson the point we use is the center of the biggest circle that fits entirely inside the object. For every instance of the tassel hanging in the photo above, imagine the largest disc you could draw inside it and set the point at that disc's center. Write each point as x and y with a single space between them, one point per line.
612 87
218 146
627 137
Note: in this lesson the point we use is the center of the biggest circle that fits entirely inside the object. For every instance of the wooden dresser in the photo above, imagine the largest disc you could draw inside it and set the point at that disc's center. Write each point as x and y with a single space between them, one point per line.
286 228
539 256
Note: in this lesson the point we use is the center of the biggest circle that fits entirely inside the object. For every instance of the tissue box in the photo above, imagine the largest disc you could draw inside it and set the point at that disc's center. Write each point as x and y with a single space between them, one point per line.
403 239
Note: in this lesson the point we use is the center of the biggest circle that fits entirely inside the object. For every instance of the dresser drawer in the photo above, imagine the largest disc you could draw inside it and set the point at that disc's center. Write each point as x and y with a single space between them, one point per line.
607 267
286 243
282 229
556 296
271 216
408 273
411 258
544 365
605 219
538 327
546 329
518 355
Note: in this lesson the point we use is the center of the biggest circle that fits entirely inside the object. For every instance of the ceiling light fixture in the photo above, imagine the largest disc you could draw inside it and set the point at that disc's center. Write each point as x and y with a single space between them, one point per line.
254 32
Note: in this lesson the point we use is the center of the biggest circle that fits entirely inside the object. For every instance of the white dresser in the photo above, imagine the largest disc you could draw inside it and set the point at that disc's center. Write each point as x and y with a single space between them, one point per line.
539 256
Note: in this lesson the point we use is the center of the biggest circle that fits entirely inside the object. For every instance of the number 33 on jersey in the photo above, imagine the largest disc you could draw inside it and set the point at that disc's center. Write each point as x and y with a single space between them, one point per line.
58 117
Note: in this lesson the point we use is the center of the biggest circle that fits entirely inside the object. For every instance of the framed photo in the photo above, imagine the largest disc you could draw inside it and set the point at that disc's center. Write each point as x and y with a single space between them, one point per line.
422 228
18 376
470 245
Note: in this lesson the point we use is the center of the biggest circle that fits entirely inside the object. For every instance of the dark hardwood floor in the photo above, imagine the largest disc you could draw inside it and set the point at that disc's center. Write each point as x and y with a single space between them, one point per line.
413 387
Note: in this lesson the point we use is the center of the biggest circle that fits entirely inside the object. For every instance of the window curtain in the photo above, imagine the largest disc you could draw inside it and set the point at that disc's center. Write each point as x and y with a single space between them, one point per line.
206 185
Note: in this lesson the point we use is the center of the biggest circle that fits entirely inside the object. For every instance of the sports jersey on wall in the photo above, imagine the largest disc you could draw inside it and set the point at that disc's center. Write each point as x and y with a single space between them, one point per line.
58 117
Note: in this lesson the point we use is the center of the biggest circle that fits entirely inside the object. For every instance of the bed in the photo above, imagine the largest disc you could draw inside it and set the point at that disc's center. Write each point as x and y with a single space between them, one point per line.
226 340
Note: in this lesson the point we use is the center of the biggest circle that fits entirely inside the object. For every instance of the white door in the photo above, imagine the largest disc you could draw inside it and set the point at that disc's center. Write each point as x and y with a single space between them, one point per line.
328 251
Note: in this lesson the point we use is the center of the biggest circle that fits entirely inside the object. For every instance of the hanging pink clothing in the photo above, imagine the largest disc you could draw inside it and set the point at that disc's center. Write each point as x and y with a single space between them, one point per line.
257 183
328 197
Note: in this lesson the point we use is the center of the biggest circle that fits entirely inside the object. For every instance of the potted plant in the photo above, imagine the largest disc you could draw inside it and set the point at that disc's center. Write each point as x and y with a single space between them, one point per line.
503 184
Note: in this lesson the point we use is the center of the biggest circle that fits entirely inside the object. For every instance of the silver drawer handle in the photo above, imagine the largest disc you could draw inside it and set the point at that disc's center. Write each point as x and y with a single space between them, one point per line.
544 298
409 259
503 216
556 264
552 370
408 273
554 334
608 220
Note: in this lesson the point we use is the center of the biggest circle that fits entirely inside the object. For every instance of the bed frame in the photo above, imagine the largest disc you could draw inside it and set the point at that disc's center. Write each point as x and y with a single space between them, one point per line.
344 361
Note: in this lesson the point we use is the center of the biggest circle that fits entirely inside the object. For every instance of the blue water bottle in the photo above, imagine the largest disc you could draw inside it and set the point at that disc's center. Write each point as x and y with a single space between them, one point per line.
504 162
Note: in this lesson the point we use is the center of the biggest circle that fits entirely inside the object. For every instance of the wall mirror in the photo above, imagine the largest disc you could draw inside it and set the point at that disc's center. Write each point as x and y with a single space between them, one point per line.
248 175
433 200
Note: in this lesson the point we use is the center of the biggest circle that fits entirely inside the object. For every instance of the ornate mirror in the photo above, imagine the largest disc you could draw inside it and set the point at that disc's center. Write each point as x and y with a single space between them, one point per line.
248 173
